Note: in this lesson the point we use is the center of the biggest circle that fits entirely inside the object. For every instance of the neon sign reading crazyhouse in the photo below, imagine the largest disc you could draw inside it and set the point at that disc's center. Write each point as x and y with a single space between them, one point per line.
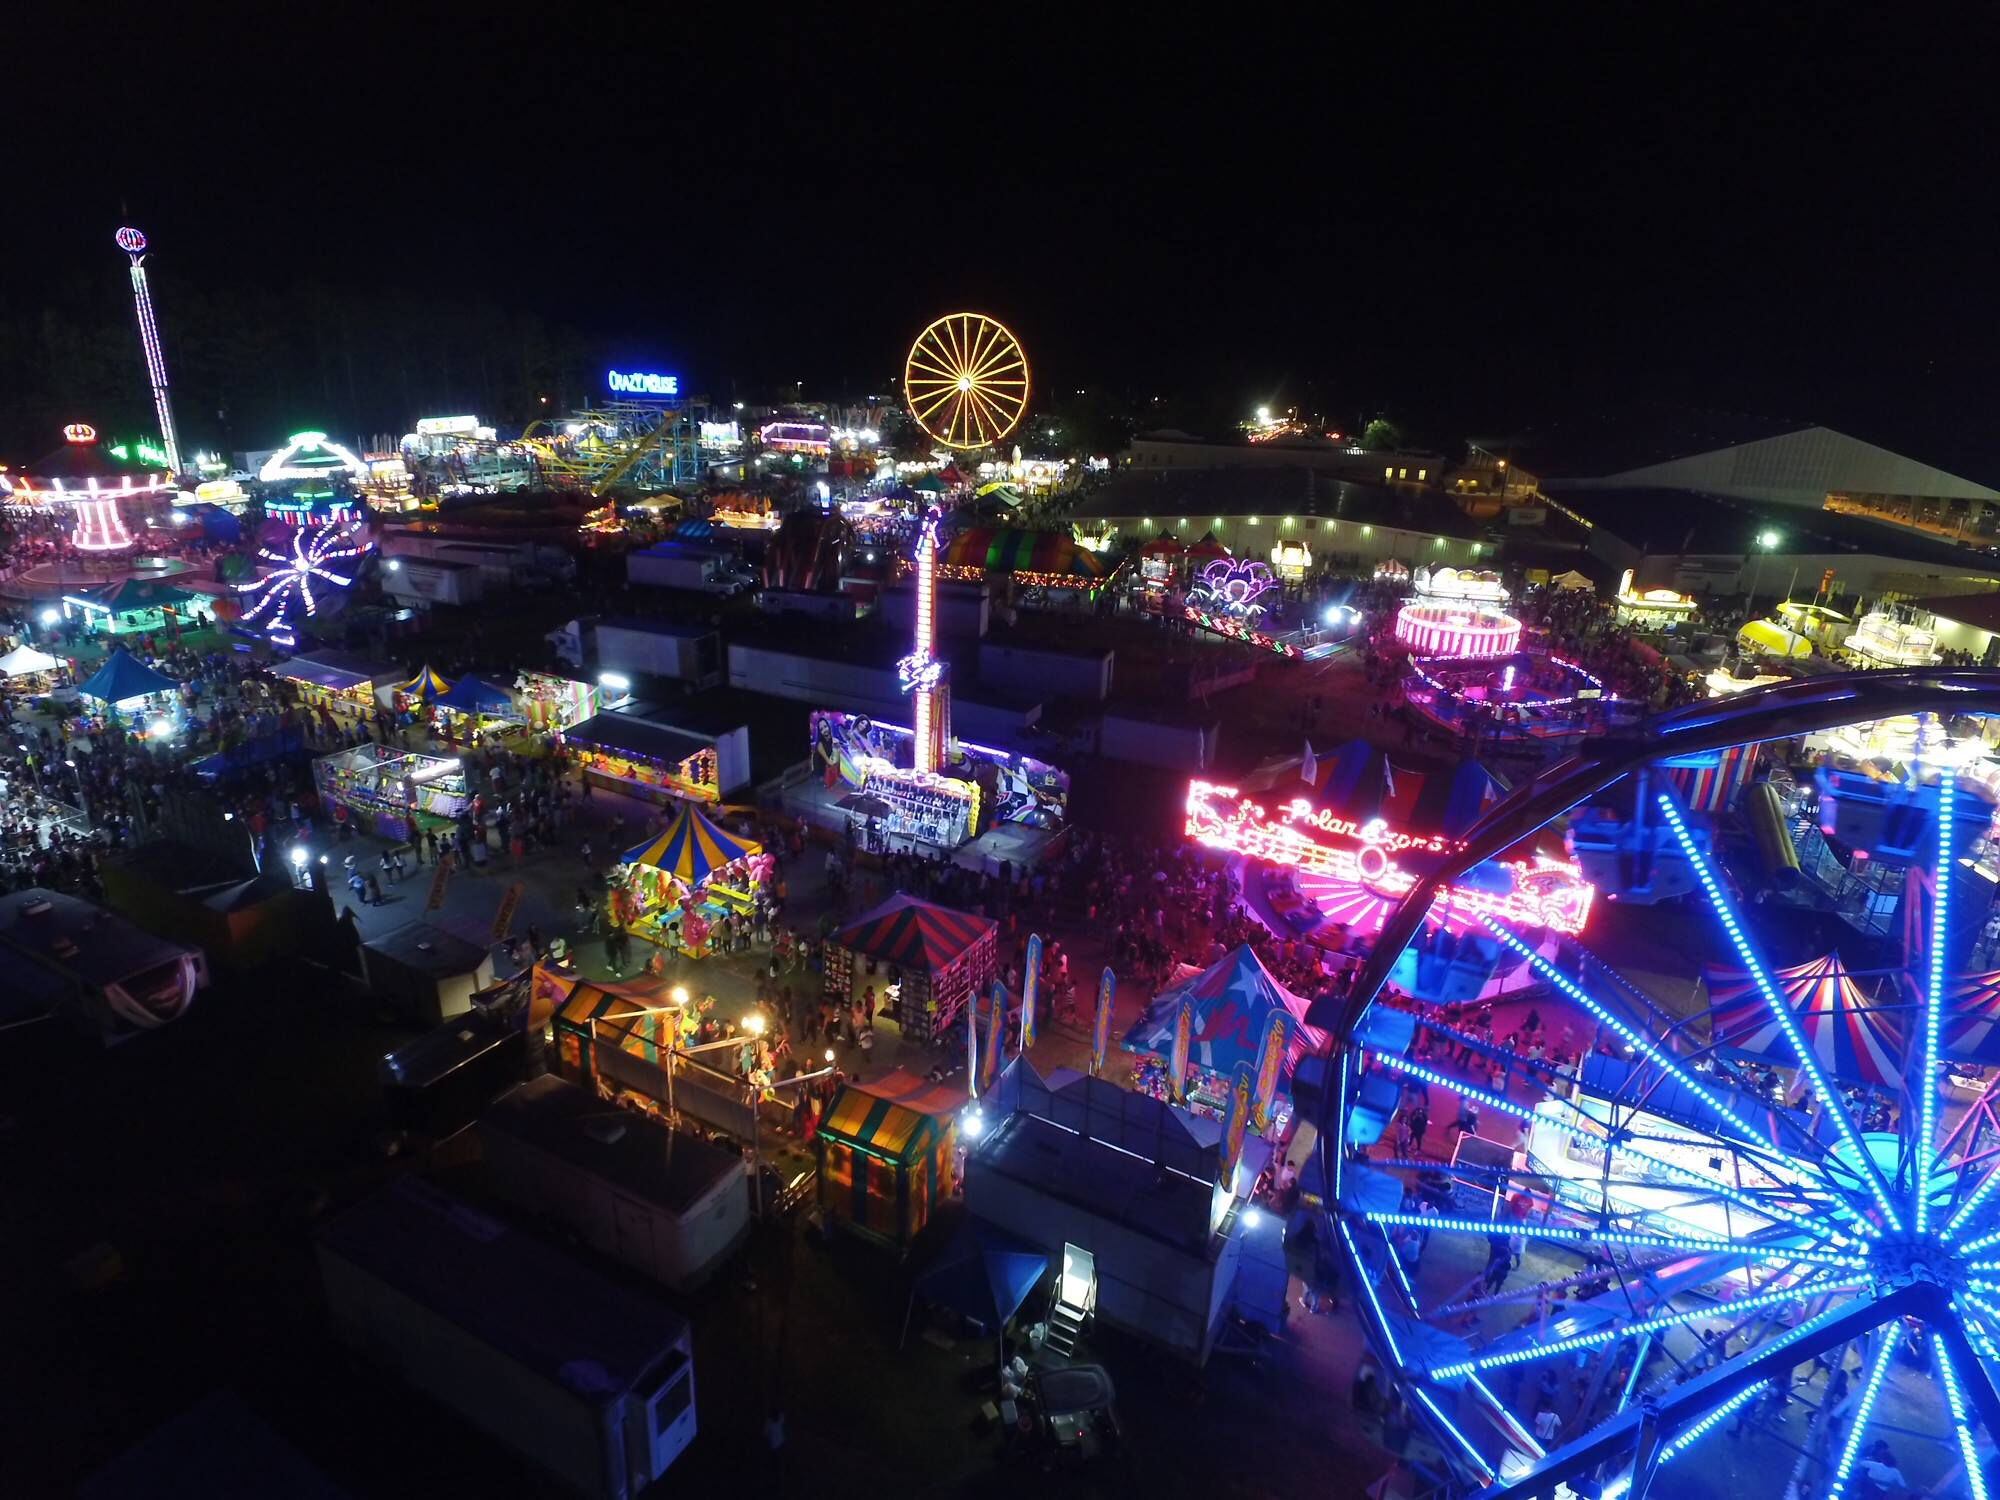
642 383
1544 892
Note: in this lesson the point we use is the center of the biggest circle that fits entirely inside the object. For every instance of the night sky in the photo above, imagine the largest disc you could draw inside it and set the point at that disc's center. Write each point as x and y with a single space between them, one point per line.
1469 228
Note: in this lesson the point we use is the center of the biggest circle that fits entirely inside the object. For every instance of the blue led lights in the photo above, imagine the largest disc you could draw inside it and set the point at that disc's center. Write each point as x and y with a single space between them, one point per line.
1857 1430
1600 1337
1559 1234
1922 1152
1714 1419
1829 1096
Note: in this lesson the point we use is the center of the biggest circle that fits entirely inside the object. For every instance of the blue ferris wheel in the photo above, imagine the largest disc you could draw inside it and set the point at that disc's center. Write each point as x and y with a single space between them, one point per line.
1767 1203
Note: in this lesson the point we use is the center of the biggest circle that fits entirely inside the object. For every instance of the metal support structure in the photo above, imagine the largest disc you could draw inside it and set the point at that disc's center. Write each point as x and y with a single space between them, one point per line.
1704 1393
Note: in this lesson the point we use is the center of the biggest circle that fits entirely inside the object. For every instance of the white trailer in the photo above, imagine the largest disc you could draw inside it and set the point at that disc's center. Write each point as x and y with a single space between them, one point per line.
590 1380
670 1205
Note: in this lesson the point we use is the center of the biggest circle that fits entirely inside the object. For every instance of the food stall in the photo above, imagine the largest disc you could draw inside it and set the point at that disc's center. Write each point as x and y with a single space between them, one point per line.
924 962
27 670
393 793
1883 640
1825 628
1652 606
1159 563
887 1155
674 887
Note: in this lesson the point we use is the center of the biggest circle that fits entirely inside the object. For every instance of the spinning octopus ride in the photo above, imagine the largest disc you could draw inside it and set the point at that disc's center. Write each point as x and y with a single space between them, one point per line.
1693 1237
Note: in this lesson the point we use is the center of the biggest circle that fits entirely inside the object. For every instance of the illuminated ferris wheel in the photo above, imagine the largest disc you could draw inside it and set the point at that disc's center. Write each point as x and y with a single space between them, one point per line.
1748 1173
966 380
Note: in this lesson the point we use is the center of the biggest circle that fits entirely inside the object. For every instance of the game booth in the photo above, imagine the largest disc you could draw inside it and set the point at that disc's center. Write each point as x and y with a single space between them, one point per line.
887 1155
393 793
672 889
925 963
552 704
661 764
1231 1004
331 683
126 685
133 606
471 710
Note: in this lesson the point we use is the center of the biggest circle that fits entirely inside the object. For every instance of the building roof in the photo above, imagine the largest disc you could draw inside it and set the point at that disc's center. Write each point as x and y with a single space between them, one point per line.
335 669
616 731
1100 1179
666 1167
447 1048
1678 520
108 949
428 950
1612 440
1271 494
548 1311
1979 611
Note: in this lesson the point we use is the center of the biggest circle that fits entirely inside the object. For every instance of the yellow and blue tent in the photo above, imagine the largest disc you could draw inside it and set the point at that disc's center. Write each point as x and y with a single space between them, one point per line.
428 683
691 848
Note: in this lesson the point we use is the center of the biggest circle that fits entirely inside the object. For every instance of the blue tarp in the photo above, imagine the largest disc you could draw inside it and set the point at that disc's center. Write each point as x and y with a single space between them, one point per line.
124 676
985 1273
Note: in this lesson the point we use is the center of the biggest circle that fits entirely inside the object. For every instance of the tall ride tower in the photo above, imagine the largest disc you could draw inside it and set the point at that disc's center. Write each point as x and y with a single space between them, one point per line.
921 673
133 243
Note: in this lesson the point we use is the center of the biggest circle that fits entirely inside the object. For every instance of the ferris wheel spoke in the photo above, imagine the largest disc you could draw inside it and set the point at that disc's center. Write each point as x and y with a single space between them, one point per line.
1829 1096
1599 1338
1592 1137
1644 1044
1864 1413
988 409
981 344
939 373
927 406
1922 1151
1944 1361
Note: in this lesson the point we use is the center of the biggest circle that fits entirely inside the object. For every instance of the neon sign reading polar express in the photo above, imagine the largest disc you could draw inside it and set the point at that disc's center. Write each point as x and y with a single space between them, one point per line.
1542 892
642 383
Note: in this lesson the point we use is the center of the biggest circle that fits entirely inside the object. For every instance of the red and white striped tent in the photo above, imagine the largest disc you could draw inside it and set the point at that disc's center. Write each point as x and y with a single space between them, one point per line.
1853 1036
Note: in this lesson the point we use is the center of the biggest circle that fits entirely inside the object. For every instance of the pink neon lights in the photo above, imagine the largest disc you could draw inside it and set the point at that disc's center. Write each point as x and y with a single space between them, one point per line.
1239 629
99 527
130 240
1457 630
1544 892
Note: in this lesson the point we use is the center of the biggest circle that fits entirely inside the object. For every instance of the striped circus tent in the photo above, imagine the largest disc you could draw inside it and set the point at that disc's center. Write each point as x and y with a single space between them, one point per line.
690 848
914 934
1854 1038
1015 549
1710 782
428 684
1971 1013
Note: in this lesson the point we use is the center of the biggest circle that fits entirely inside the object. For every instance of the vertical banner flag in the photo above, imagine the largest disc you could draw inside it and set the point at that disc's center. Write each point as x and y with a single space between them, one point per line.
1234 1125
1100 1030
504 918
438 882
996 1039
1177 1060
1270 1062
1031 986
972 1044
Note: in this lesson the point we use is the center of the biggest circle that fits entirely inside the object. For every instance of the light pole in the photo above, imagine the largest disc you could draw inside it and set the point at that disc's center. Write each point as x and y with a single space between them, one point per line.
1766 541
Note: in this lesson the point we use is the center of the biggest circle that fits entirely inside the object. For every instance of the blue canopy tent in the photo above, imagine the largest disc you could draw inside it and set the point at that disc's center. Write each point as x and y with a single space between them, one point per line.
1233 999
984 1274
470 695
124 677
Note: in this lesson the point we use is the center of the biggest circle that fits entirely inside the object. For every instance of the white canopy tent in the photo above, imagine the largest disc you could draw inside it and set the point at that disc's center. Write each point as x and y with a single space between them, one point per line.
25 659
